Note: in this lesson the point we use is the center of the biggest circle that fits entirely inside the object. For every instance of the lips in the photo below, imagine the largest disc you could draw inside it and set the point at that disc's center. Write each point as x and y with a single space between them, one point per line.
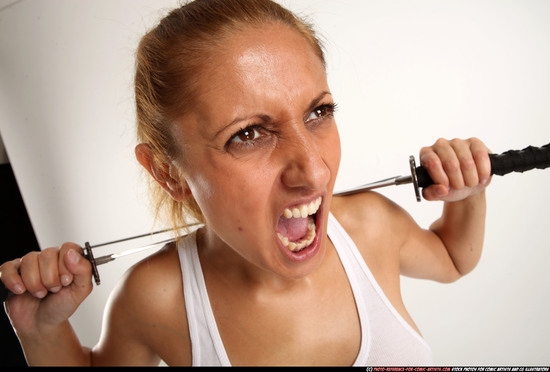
296 228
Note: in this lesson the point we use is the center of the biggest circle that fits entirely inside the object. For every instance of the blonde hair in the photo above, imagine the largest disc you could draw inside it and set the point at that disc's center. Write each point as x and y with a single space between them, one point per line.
168 60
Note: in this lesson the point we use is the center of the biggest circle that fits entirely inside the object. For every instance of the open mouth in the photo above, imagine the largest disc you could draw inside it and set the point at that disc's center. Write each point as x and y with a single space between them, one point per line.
296 228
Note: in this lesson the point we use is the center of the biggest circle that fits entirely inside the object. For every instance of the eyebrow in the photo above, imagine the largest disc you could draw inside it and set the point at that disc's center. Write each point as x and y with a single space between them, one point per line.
267 118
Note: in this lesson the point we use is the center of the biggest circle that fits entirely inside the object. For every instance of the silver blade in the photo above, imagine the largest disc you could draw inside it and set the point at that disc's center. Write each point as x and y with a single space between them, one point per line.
88 252
138 236
111 257
144 248
393 181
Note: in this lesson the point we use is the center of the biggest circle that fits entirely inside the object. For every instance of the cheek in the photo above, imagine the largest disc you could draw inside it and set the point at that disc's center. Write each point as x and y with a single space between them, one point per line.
334 152
232 197
202 189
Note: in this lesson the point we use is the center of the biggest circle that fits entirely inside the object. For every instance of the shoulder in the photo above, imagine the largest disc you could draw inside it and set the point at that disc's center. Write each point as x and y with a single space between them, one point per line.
147 307
367 212
152 289
157 277
378 226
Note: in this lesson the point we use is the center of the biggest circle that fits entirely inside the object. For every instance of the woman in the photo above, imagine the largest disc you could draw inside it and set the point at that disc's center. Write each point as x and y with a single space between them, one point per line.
236 127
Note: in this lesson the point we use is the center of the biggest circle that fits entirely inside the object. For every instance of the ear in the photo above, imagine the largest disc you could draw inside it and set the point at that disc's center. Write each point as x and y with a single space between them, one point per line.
165 173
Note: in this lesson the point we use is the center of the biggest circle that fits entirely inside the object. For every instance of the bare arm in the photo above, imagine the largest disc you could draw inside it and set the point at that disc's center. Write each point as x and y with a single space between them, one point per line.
461 229
145 317
54 346
50 285
452 247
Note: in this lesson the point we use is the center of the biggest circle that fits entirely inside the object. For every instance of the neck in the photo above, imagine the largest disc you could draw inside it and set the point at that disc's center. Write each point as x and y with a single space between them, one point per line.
223 262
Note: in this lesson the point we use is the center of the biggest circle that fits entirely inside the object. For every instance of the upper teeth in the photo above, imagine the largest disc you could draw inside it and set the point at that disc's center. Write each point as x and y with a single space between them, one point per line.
304 210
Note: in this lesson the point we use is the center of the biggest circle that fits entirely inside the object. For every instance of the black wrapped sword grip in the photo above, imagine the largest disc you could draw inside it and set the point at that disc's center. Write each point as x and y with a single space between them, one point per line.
510 161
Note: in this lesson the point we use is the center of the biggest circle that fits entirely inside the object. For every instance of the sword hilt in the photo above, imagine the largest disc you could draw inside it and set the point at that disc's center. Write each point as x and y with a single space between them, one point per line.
510 161
88 254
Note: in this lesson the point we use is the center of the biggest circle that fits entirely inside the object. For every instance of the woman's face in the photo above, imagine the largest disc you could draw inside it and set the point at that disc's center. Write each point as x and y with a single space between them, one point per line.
260 147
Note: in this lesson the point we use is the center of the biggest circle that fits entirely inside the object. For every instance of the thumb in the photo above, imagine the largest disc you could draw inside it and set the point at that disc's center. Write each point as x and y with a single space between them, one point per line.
81 269
435 192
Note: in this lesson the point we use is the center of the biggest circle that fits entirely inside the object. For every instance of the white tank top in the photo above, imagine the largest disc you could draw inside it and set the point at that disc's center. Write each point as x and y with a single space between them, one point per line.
386 338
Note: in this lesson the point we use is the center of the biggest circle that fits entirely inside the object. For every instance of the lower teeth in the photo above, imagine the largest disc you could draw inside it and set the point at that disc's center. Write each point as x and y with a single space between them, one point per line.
301 244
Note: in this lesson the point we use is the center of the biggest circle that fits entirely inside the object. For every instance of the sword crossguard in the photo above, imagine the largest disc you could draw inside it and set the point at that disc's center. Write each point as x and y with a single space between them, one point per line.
90 257
412 164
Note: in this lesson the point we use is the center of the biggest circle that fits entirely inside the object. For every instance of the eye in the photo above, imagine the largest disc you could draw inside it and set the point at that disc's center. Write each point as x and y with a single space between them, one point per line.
245 135
321 112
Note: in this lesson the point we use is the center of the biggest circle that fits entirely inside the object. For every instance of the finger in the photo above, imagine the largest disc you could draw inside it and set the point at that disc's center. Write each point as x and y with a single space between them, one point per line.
446 151
432 163
480 153
467 165
49 271
30 274
9 274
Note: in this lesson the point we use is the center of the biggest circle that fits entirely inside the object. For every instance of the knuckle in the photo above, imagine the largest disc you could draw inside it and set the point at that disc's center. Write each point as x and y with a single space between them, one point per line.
29 258
49 254
456 142
4 267
441 141
478 146
7 271
425 150
474 140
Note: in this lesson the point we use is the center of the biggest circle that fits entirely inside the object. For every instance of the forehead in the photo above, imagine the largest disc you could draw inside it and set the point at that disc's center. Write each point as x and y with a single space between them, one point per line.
259 65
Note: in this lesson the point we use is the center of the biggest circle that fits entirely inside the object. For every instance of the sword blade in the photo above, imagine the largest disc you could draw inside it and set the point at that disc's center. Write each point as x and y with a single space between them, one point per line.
141 249
137 237
393 181
113 256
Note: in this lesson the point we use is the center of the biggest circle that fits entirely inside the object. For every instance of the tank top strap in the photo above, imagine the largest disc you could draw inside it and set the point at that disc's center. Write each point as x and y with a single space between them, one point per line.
206 344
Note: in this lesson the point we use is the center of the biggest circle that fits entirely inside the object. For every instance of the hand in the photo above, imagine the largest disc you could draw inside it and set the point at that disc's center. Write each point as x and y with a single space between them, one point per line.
49 286
459 169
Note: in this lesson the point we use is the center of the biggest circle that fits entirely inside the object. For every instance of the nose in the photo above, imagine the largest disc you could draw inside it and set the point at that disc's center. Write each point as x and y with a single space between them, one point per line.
304 164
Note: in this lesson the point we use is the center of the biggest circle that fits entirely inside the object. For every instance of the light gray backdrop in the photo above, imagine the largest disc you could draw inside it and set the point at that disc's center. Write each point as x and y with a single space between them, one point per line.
403 72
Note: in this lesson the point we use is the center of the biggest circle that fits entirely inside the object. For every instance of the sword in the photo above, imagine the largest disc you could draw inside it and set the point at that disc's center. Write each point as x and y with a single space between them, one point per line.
501 164
89 255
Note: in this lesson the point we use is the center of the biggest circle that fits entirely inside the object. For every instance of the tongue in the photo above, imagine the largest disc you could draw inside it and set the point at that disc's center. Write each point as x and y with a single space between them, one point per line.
293 228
